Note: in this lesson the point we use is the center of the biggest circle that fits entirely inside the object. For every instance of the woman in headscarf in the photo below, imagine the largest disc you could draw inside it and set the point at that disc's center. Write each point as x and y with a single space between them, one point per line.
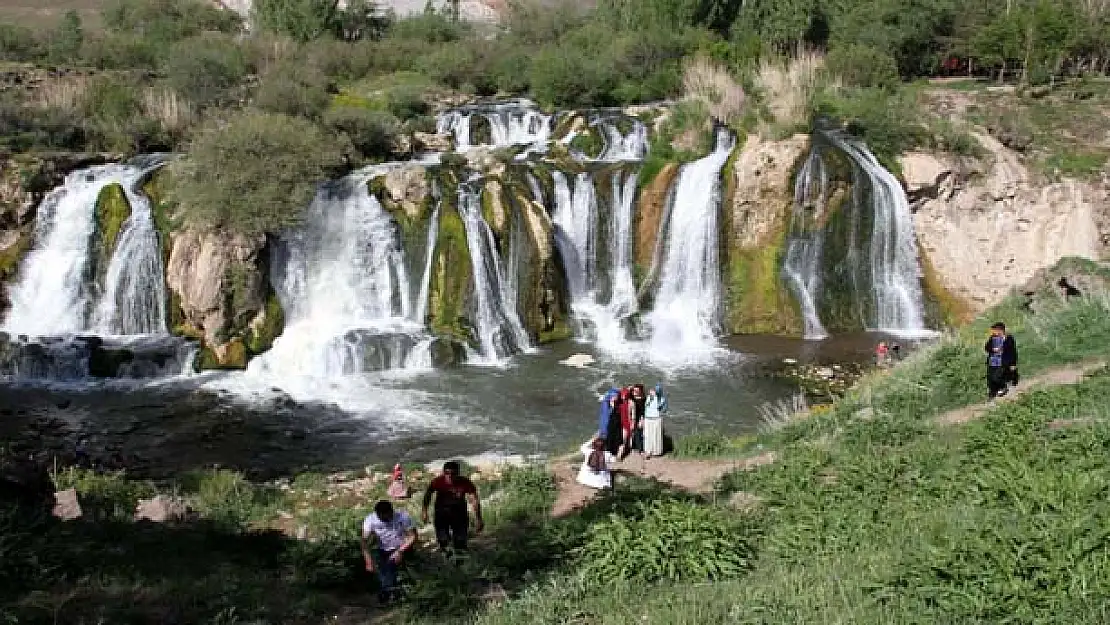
654 408
612 434
628 419
639 400
595 466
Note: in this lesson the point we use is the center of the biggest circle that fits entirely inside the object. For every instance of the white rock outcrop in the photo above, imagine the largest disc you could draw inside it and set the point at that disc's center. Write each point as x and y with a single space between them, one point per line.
988 233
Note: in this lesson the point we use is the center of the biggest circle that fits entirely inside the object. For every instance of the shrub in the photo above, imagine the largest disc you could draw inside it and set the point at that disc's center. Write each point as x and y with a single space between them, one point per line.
292 89
254 173
303 20
18 43
887 122
104 495
372 133
858 65
206 68
407 102
671 539
567 75
122 51
167 21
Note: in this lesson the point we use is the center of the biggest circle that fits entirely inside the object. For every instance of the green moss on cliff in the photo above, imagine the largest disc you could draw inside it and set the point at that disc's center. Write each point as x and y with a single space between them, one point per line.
261 337
451 278
162 209
112 210
235 357
588 142
11 256
942 307
845 302
759 302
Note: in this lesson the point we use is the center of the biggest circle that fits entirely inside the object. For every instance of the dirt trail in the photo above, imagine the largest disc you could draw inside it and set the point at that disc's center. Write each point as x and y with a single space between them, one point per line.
696 476
1053 377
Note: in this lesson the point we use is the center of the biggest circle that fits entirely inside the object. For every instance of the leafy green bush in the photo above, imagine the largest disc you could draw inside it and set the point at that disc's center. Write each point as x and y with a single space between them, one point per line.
122 51
167 21
373 133
206 68
254 173
293 89
228 499
104 495
859 65
889 123
407 102
18 43
669 539
566 75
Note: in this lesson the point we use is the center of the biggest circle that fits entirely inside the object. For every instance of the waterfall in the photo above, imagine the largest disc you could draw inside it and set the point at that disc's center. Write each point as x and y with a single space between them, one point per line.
134 300
500 332
687 303
575 221
429 258
510 124
894 271
456 124
55 293
621 147
342 282
802 266
622 300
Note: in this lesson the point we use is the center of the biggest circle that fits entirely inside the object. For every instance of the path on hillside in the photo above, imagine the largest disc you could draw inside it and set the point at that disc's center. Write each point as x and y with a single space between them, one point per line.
696 476
1072 374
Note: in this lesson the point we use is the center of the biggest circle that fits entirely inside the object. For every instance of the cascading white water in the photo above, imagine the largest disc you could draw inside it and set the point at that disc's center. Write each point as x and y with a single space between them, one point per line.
456 124
429 256
802 266
510 123
55 293
134 299
894 270
499 330
575 221
687 304
622 147
622 300
342 283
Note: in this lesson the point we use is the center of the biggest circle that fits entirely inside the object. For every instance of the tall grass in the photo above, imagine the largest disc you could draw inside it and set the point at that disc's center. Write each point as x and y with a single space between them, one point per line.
164 105
710 83
65 94
789 86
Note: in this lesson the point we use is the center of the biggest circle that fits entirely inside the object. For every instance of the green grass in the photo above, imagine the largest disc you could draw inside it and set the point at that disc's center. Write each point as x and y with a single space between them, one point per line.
872 513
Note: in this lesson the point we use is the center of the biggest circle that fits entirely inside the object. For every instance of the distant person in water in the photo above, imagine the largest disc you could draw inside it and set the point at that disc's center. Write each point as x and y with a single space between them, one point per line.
882 354
394 534
654 408
1002 361
451 490
397 487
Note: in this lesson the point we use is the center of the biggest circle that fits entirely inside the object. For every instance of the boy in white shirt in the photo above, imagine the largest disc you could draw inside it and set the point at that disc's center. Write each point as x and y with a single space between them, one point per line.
395 534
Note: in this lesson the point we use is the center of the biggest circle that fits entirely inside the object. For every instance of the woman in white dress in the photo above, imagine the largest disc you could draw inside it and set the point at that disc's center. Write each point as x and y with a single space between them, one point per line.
653 422
595 465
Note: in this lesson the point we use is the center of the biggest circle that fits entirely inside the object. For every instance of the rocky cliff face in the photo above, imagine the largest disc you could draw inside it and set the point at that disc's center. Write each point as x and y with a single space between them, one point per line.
986 228
221 295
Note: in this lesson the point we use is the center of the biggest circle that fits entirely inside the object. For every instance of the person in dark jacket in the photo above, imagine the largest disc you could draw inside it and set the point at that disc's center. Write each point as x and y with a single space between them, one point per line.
1002 361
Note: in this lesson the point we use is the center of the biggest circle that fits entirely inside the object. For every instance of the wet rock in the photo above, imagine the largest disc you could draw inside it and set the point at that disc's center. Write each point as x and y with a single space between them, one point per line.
580 361
161 509
430 142
447 352
66 506
407 188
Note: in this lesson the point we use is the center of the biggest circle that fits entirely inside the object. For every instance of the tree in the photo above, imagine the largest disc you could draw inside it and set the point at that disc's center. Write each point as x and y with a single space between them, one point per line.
255 173
67 38
206 68
308 20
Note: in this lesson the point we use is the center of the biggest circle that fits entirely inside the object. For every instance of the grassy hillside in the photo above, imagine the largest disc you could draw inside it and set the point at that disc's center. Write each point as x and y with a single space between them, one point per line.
879 510
38 14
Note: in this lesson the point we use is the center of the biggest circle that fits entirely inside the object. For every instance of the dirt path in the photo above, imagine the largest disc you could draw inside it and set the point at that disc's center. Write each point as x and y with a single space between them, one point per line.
1053 377
696 476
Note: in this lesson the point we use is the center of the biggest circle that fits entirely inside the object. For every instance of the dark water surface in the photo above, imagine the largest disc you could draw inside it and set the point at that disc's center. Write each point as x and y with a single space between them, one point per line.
532 406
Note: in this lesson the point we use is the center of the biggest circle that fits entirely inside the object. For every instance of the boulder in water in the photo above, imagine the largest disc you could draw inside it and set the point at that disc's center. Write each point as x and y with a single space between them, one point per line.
447 352
161 509
580 361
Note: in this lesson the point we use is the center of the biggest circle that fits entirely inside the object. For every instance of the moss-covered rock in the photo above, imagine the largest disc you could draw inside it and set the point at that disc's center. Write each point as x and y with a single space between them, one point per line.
266 326
589 142
112 210
452 279
230 356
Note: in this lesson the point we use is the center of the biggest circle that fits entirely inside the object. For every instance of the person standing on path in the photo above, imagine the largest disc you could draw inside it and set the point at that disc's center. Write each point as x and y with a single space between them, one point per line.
653 423
395 534
452 522
1002 360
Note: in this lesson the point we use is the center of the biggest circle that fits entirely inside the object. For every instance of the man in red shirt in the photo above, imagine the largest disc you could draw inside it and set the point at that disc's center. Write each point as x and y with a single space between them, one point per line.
451 491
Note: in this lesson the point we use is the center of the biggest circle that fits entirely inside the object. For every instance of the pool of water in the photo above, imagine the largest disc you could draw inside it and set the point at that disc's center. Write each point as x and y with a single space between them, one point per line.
532 405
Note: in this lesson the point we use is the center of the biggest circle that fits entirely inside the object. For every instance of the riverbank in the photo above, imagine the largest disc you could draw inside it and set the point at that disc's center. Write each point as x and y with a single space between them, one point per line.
876 509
